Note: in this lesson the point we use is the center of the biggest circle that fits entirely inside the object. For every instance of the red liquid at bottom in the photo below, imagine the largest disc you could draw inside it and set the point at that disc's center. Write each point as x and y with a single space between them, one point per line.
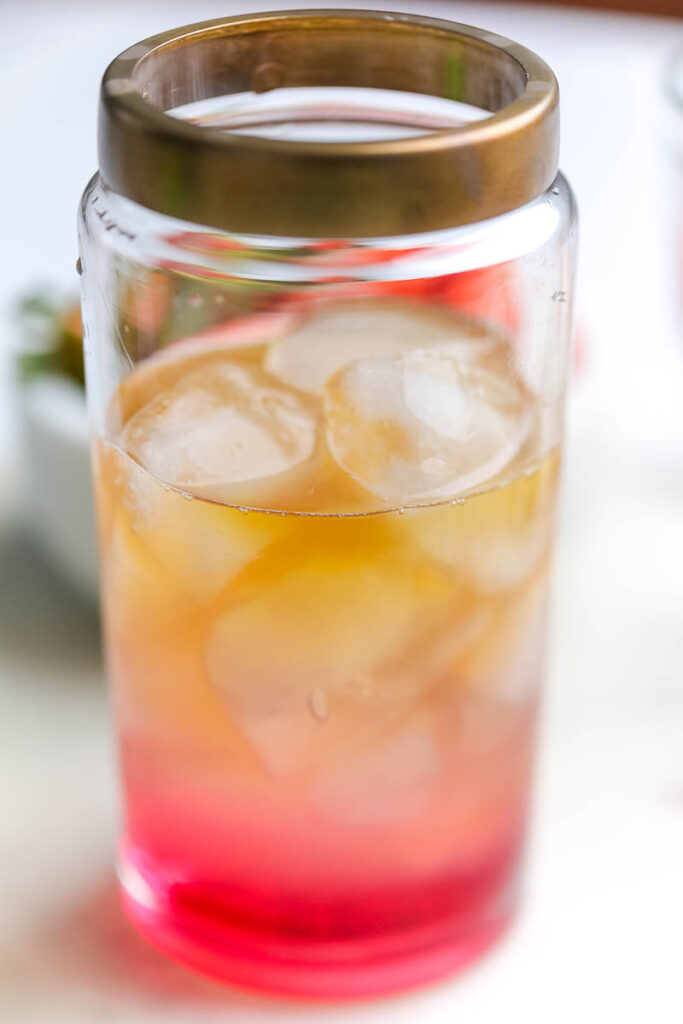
368 943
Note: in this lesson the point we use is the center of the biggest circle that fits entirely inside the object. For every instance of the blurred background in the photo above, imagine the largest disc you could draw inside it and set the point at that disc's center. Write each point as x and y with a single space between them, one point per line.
601 930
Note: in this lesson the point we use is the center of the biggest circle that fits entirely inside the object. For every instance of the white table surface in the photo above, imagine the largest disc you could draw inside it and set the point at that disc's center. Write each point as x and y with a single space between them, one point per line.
600 938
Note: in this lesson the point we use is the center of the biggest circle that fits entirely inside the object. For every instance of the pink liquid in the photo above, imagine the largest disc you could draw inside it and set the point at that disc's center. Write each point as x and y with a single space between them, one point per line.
320 949
260 892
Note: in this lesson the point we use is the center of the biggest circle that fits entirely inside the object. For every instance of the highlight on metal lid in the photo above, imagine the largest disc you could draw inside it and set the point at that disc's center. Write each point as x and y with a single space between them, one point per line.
249 183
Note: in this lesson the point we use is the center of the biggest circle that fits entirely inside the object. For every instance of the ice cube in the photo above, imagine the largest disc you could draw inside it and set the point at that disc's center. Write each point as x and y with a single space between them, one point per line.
154 657
337 335
423 425
201 544
243 340
507 661
309 654
495 541
227 431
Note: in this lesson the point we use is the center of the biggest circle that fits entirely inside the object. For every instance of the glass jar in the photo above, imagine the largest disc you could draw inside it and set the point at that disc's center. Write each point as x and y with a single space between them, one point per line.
327 279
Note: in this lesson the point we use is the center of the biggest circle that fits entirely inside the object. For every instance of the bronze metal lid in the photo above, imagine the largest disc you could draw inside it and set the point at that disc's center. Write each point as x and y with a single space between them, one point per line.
254 185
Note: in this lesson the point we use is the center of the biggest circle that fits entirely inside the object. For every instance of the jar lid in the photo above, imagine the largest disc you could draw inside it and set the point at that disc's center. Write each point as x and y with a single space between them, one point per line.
248 184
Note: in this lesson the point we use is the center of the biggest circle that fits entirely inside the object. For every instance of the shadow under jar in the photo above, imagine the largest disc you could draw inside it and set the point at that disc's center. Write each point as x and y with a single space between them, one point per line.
327 279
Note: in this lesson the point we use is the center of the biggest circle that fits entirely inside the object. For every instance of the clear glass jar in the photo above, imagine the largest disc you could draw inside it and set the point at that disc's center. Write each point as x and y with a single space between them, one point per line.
327 308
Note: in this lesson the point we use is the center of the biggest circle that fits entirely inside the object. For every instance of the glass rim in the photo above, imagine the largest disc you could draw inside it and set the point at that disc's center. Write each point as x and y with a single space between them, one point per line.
255 185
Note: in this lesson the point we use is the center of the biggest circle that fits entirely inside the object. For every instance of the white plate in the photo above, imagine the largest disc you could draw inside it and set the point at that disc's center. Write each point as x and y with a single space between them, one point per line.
57 490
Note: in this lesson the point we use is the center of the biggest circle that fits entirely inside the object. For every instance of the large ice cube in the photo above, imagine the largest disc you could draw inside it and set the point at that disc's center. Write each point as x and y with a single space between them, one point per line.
312 650
336 335
423 425
228 432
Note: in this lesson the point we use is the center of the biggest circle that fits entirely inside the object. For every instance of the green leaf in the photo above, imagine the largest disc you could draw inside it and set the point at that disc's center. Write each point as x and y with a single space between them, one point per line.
36 304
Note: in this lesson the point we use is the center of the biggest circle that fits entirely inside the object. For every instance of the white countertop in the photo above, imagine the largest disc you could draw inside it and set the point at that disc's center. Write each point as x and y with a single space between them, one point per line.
600 937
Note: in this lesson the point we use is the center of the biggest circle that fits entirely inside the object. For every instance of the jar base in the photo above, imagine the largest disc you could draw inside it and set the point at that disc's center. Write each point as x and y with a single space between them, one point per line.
348 969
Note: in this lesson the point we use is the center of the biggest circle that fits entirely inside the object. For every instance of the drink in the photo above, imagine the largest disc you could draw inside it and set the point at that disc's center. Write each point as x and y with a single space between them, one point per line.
324 572
327 271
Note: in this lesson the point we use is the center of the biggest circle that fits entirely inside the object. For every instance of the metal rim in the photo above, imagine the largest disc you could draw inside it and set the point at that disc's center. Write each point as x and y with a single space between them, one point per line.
248 184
